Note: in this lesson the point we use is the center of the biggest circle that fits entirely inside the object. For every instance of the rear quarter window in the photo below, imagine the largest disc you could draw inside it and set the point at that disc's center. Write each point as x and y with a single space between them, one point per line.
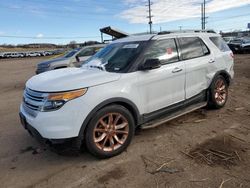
220 43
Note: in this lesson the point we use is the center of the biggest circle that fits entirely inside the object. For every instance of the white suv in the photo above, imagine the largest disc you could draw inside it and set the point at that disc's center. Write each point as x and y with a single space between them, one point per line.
138 81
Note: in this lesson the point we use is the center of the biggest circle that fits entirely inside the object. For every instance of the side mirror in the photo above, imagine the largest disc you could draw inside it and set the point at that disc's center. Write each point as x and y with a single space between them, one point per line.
150 64
77 59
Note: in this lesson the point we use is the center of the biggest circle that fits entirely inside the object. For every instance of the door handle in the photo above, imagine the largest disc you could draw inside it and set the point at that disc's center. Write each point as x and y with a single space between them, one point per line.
176 69
211 61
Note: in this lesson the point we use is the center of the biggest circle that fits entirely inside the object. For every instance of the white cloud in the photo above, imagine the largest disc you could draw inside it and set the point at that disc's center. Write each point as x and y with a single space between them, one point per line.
40 35
171 10
2 32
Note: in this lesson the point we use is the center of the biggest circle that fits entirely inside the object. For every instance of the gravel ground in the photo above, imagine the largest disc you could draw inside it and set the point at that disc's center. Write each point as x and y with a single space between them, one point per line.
187 152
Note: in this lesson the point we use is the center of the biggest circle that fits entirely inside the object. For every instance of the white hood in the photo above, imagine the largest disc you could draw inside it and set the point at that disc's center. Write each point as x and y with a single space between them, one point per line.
70 79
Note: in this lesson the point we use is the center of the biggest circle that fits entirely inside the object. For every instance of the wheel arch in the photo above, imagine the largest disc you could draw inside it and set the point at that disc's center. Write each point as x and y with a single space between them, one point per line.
129 105
223 73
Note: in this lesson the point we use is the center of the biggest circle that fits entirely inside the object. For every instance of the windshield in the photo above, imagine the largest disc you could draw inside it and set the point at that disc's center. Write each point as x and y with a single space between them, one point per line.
71 53
116 57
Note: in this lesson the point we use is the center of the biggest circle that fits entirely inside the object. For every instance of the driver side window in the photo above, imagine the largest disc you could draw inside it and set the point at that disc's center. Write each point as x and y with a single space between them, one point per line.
165 50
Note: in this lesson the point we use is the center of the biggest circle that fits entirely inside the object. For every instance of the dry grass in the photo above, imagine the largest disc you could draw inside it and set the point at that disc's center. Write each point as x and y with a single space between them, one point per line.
219 151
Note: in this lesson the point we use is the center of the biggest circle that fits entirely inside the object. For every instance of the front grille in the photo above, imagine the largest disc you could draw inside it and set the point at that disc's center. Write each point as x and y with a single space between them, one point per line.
33 100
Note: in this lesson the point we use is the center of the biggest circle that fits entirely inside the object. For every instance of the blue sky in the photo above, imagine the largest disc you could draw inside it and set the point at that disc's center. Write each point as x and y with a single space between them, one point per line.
61 21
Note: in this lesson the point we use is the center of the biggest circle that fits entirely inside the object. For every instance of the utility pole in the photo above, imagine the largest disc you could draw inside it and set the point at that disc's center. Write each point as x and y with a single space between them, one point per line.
204 14
102 37
150 16
202 20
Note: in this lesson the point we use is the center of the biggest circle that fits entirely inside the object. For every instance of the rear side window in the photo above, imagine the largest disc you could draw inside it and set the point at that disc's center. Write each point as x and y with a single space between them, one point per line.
220 43
192 47
165 50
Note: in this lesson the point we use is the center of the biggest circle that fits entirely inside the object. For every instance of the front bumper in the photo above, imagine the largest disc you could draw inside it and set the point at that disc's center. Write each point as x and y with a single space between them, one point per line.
34 133
63 123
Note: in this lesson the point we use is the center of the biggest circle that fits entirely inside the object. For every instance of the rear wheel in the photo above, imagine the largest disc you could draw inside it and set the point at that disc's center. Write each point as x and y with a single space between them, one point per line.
218 92
110 131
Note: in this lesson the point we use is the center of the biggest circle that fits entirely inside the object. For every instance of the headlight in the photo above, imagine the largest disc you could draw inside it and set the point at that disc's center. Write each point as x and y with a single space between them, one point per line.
43 65
55 101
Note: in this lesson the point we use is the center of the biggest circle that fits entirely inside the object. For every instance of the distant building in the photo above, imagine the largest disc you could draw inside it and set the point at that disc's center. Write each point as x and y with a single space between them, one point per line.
38 45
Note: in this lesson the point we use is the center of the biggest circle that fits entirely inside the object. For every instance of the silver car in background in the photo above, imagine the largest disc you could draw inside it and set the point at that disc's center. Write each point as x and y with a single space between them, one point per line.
73 58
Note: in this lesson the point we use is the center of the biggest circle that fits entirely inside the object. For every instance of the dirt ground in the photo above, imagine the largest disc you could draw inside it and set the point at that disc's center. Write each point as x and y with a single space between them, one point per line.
207 148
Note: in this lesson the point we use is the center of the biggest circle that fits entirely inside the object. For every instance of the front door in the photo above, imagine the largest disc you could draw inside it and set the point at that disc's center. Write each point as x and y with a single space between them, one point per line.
164 86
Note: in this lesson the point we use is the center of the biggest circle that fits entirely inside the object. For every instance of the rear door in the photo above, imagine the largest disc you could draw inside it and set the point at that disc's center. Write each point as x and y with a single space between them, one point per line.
223 54
198 62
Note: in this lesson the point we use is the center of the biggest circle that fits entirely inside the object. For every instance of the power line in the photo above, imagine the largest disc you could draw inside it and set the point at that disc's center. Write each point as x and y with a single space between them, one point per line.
78 4
219 19
32 37
51 10
64 15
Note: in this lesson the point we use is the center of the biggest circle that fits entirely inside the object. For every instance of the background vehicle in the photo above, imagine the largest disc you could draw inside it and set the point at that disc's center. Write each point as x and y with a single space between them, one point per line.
16 55
2 55
138 81
32 54
228 39
7 55
73 58
240 45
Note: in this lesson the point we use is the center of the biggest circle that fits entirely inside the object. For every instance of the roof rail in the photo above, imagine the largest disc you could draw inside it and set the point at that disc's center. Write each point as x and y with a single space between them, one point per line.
187 31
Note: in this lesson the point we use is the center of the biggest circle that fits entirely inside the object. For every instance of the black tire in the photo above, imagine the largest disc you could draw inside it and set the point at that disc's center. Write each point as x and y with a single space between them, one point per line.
218 97
104 122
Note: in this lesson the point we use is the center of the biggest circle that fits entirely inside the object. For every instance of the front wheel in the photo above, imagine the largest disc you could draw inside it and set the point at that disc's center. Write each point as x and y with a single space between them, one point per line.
110 131
218 92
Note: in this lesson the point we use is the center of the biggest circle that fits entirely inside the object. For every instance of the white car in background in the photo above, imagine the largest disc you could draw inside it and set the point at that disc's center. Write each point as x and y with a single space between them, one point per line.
16 55
2 55
32 54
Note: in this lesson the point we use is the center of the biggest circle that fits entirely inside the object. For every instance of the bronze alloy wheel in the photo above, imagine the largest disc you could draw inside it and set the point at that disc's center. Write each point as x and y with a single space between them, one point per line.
220 91
111 131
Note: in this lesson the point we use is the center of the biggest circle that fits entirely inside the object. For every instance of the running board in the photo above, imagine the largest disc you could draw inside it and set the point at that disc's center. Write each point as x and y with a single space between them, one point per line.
172 116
